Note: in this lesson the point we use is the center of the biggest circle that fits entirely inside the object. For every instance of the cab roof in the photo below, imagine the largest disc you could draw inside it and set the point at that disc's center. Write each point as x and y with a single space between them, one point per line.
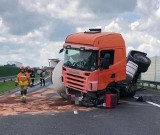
97 39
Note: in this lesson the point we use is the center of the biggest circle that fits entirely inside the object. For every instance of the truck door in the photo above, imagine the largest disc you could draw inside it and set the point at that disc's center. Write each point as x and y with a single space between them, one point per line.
106 72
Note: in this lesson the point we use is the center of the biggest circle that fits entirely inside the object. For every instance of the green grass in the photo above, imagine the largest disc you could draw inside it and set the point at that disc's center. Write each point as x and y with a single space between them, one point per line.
8 85
37 77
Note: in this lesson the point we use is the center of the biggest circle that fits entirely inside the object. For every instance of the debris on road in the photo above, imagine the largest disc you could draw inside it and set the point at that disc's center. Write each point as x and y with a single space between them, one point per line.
75 112
140 99
43 101
148 95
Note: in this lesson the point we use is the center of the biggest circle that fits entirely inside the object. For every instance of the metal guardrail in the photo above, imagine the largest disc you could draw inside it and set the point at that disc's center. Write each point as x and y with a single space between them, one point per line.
142 82
7 78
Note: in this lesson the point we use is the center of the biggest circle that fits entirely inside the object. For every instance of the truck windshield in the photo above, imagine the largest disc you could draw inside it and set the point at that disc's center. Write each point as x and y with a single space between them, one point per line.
81 59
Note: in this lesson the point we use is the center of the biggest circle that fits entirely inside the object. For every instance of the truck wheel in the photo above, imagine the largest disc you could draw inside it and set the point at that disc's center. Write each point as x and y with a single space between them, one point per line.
140 59
88 100
131 94
128 92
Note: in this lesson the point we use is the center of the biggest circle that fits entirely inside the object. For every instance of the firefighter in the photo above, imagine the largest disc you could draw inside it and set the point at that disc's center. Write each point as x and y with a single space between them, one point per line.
32 76
42 77
23 80
29 70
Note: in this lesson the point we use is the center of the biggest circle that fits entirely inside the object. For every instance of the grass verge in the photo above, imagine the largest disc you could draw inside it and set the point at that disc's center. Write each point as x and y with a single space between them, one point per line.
8 85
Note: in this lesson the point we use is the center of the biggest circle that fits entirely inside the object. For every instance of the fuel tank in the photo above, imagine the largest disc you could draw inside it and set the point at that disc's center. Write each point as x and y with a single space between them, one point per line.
57 80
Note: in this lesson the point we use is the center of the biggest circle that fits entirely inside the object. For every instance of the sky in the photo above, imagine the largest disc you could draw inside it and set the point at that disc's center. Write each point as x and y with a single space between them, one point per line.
33 31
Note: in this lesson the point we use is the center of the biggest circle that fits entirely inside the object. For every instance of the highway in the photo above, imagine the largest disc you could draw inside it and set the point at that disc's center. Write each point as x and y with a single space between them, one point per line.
130 117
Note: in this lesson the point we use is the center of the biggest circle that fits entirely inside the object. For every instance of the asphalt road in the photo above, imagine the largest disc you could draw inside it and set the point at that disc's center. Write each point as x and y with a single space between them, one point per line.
149 95
38 87
129 118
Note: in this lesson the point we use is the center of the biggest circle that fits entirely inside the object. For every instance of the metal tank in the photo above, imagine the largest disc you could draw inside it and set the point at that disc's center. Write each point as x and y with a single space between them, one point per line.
57 80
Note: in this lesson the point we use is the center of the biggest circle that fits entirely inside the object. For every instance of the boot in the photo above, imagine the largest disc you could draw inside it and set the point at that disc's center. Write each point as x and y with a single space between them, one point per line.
24 98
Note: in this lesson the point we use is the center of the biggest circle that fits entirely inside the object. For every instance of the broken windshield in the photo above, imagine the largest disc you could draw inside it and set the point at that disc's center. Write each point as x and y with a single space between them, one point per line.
81 59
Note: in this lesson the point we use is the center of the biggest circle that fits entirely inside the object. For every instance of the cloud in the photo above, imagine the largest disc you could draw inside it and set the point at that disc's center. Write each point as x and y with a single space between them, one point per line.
54 9
3 27
20 22
113 27
142 34
33 31
49 51
150 16
30 54
108 8
59 30
134 25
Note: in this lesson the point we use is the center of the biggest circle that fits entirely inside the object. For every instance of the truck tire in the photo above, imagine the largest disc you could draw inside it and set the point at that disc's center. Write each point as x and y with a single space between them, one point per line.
131 94
124 93
127 92
140 59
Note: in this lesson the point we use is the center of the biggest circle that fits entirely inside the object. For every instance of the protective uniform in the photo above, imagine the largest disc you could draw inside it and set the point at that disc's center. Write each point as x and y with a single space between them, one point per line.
42 77
32 76
23 81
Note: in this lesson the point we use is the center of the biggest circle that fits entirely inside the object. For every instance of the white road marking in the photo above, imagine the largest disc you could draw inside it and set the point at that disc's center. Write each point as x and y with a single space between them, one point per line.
153 103
149 102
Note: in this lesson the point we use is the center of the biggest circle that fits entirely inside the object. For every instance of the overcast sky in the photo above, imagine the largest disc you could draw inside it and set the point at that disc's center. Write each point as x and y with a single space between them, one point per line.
33 31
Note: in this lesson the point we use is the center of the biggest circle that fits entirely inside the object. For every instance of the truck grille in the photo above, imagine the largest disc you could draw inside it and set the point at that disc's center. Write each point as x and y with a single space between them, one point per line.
75 81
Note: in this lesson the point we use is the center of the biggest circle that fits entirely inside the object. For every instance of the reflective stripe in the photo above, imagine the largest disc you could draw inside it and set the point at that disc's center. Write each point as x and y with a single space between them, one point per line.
24 96
23 83
23 77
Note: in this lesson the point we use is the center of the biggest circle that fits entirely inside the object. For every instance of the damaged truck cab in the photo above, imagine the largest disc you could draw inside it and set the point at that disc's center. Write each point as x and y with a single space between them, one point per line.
95 64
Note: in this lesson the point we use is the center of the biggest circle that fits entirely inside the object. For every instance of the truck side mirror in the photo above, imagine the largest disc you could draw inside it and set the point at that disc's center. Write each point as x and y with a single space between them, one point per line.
60 51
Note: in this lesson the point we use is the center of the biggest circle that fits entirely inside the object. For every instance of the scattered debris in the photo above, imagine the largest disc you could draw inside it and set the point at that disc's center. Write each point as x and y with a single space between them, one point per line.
76 112
140 99
42 101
